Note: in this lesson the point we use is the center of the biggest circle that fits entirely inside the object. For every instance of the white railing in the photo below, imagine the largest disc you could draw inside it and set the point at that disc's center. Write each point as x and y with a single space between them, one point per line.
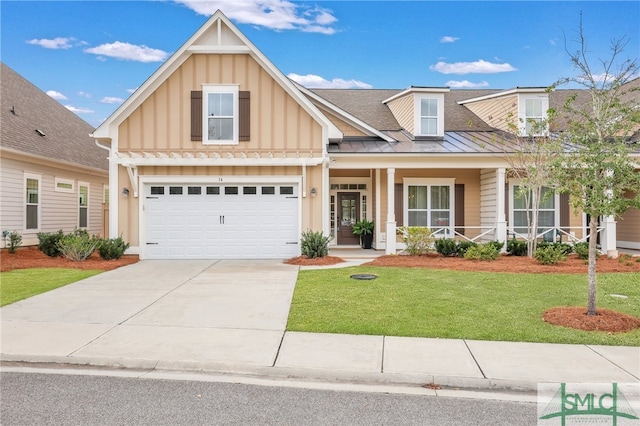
555 233
453 232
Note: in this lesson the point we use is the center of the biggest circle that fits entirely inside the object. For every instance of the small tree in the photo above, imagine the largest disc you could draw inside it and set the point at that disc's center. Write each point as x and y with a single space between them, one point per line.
598 171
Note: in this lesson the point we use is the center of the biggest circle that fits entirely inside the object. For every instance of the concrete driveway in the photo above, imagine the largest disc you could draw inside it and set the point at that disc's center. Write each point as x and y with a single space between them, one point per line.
196 310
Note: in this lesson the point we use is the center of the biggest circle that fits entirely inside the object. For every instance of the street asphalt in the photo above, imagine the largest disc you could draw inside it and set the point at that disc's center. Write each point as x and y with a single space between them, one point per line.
229 317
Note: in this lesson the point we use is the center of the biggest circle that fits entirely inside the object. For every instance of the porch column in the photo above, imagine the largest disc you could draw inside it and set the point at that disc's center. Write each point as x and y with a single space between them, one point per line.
501 221
608 243
390 247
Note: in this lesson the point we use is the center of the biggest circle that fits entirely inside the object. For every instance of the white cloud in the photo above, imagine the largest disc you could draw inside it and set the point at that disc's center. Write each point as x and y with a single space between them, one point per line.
128 52
317 82
79 110
449 39
477 67
273 14
84 94
56 95
111 100
465 84
55 43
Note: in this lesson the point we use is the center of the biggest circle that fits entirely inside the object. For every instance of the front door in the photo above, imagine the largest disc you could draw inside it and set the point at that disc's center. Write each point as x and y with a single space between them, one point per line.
348 214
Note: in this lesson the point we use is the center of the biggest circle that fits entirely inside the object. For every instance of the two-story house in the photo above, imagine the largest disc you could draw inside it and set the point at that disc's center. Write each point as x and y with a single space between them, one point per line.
220 155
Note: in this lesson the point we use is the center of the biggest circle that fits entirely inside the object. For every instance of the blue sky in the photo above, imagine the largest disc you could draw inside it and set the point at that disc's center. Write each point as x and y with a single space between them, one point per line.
90 55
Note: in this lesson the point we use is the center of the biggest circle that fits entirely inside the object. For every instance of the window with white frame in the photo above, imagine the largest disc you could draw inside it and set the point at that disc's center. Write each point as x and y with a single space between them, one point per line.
32 201
105 194
221 114
429 203
64 185
429 110
548 214
533 111
83 205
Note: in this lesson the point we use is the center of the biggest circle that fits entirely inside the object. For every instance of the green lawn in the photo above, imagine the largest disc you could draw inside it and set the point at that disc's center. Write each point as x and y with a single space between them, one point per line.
451 304
23 283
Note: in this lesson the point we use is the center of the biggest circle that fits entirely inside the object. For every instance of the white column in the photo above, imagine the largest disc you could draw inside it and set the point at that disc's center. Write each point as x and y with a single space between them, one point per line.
391 216
501 221
324 195
608 238
378 221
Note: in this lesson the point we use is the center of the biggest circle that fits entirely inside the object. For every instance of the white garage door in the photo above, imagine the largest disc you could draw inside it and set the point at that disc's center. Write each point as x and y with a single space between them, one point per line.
249 221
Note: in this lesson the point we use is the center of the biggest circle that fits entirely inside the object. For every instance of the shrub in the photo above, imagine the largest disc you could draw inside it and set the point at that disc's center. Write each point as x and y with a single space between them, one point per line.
112 248
77 246
550 254
447 247
564 247
48 242
463 246
314 244
582 250
497 244
517 247
485 252
417 239
15 241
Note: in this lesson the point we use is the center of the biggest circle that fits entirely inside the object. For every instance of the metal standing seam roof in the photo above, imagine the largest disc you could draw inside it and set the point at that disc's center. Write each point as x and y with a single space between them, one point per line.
27 110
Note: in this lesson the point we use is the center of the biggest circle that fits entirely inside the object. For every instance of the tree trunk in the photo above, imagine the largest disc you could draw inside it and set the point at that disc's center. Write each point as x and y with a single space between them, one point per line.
593 237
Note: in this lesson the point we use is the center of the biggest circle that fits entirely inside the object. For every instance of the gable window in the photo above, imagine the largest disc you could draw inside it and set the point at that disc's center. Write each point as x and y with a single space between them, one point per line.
32 201
83 205
429 203
64 185
221 114
533 111
548 214
429 114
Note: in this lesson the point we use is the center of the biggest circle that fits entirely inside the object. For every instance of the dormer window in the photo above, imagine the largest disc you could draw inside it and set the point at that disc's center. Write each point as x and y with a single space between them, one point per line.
429 109
532 112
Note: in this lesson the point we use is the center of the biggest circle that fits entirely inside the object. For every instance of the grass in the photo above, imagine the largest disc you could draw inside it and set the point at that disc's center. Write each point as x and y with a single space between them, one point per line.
24 283
452 304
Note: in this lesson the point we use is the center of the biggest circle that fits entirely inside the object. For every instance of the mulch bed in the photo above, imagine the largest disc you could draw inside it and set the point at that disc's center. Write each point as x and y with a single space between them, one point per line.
604 320
31 257
318 261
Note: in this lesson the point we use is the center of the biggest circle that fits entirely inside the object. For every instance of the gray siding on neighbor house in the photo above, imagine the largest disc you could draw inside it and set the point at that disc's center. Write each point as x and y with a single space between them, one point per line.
58 210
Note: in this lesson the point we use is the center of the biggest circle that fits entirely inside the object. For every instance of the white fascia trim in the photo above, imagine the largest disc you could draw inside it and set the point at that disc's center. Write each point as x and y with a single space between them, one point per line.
354 121
48 161
222 161
505 93
222 179
411 90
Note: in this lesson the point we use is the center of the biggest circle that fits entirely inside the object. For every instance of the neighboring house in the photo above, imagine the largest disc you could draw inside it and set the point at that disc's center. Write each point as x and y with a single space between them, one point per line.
52 173
219 155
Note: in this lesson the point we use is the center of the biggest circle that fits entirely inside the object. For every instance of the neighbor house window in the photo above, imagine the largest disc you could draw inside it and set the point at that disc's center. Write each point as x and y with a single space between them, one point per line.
429 203
533 111
64 185
221 114
429 114
547 212
32 205
83 205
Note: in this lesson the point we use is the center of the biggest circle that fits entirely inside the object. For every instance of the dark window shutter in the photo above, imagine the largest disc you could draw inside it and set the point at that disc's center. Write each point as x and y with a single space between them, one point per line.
565 215
459 213
244 110
196 115
398 204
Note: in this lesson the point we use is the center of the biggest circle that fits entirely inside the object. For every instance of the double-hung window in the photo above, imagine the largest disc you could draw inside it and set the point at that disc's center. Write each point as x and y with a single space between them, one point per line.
429 114
429 203
221 114
533 112
32 201
83 205
548 214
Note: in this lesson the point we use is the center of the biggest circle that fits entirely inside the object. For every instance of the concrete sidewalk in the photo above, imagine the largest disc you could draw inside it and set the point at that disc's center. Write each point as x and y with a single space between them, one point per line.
230 316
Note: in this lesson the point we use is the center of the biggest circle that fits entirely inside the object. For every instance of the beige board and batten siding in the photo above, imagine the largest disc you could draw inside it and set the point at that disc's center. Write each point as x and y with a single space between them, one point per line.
498 112
629 227
403 110
129 221
346 128
57 210
162 122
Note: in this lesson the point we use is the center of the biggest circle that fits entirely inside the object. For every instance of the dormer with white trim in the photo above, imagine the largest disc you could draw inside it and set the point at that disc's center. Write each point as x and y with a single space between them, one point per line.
420 110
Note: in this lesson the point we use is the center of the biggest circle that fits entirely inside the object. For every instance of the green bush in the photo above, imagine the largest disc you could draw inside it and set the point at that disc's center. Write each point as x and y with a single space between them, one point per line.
48 242
564 247
417 239
463 246
550 254
447 247
497 244
112 248
517 247
314 244
15 241
582 250
484 252
77 246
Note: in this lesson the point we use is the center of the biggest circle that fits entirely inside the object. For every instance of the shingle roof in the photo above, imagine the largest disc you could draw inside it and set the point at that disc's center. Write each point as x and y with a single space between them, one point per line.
26 109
